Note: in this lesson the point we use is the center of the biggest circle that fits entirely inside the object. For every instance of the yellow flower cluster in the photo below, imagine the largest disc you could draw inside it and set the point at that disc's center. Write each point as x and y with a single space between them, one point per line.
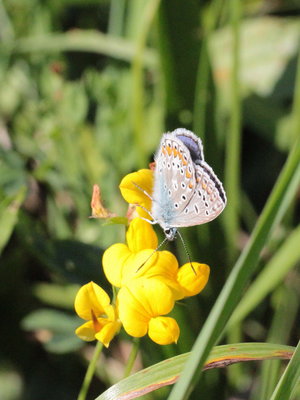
149 281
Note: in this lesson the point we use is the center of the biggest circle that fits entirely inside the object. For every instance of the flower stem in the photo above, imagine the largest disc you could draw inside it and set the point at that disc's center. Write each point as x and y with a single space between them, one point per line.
90 372
132 356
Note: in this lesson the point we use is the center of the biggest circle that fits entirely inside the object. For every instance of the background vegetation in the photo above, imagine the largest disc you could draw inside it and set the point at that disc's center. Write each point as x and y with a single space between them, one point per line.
86 90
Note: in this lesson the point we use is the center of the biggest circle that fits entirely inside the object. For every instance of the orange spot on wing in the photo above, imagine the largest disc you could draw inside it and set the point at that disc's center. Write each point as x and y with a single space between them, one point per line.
191 186
169 150
188 175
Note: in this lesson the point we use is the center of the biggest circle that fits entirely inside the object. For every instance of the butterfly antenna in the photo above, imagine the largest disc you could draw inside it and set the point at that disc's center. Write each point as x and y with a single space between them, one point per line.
154 251
186 250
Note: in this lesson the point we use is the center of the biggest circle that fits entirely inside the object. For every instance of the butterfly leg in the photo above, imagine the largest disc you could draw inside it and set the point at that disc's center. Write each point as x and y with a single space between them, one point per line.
143 190
148 212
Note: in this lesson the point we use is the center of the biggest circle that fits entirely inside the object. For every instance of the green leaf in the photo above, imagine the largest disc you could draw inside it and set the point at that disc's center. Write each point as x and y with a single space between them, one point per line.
290 379
85 41
271 276
56 295
267 46
55 330
167 371
116 221
77 262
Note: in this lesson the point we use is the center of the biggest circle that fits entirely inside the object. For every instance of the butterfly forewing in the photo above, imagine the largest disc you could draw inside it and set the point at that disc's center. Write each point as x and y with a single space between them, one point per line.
174 180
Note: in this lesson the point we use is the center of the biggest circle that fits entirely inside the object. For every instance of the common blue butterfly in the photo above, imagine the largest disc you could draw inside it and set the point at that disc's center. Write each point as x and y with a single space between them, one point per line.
186 190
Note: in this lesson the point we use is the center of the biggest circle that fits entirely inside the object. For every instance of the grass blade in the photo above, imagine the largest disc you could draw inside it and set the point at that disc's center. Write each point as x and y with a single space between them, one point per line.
166 372
271 276
85 41
290 378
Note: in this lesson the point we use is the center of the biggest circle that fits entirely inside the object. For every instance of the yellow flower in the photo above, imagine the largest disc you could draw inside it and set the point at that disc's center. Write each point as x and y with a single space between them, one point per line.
150 281
133 194
122 263
93 304
142 303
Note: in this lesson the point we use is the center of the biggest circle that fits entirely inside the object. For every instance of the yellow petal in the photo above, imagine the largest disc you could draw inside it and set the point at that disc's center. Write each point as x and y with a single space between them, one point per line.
132 194
140 236
138 265
193 281
132 315
141 300
113 262
166 266
149 264
91 297
107 333
86 331
163 330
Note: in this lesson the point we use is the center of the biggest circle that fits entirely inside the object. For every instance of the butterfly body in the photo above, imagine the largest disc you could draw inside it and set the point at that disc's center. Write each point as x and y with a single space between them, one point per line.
186 191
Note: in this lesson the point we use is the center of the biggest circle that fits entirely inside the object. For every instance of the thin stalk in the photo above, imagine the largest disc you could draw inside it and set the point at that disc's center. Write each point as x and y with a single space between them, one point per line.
138 96
289 379
208 23
233 140
296 102
116 17
90 372
132 357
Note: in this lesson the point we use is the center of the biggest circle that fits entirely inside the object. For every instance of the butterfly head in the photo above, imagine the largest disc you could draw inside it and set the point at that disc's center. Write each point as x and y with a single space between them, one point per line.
170 233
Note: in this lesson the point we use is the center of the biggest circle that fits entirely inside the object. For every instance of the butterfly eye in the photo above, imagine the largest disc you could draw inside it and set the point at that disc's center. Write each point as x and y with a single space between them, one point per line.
170 233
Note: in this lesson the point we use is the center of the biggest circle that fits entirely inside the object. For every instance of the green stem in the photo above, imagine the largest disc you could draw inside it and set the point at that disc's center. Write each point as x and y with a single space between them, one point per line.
116 17
132 356
208 22
232 170
90 372
137 76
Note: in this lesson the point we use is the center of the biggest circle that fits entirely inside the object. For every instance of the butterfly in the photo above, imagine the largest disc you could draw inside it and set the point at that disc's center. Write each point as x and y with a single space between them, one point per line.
186 190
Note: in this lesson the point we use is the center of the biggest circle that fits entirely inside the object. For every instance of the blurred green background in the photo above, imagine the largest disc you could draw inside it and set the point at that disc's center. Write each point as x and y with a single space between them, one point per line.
86 90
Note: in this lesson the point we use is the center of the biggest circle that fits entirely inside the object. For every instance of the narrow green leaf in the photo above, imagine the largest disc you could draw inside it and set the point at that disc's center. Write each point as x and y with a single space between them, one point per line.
54 329
86 41
290 378
167 372
233 138
285 302
271 276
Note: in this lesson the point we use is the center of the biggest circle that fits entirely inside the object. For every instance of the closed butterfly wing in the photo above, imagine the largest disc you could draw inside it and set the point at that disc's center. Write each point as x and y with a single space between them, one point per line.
208 199
174 180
